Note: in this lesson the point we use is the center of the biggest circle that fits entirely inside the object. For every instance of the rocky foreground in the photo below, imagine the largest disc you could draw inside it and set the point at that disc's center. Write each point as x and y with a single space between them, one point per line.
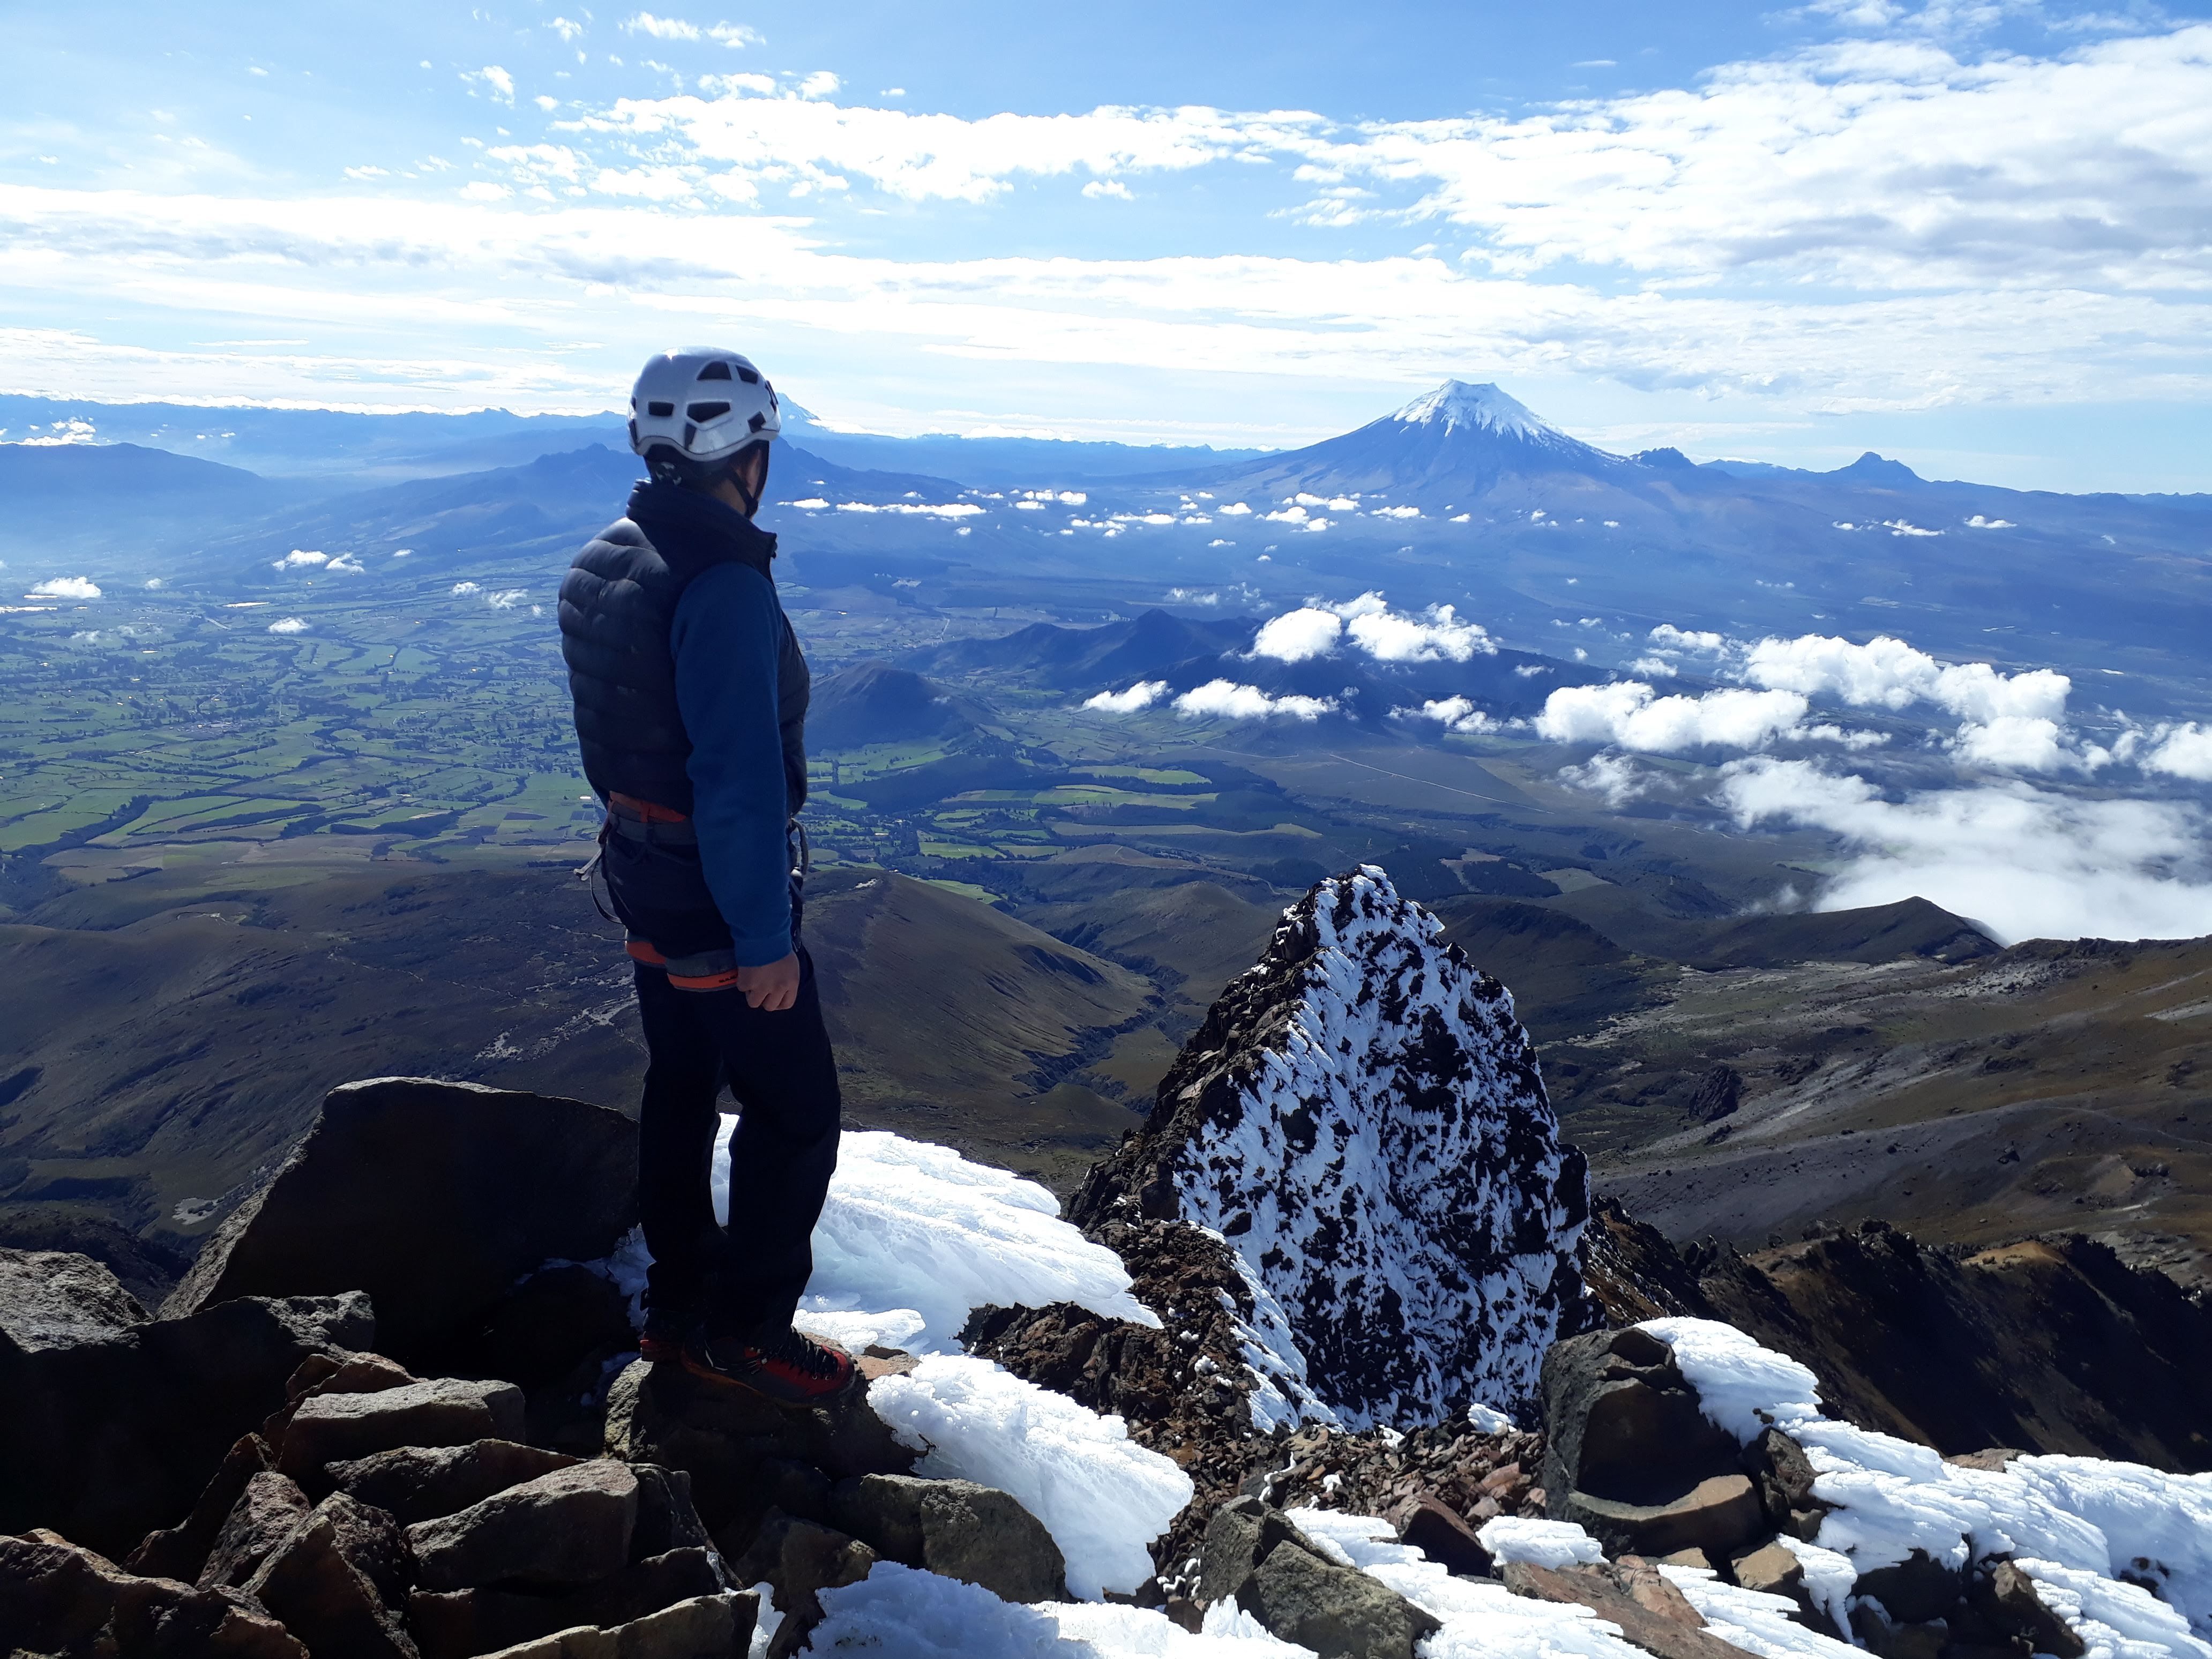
395 1409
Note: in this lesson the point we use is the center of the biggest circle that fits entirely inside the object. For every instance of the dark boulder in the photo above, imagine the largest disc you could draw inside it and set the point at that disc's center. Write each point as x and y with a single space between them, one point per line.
433 1197
735 1445
55 1299
264 1515
1256 1554
106 1439
1630 1456
339 1580
956 1529
420 1483
560 1530
56 1597
329 1428
456 1623
180 1552
1441 1535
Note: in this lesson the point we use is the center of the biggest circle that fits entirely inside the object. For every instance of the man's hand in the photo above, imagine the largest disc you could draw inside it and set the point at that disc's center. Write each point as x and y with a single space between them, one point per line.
775 987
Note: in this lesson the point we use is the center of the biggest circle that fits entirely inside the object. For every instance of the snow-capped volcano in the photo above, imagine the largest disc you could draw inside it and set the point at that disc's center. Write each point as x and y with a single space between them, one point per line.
1457 403
1362 1118
1447 448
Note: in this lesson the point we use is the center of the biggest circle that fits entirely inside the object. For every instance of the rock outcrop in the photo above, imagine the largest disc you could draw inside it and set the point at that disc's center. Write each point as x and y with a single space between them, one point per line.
1362 1117
1257 1555
114 1423
434 1198
2052 1345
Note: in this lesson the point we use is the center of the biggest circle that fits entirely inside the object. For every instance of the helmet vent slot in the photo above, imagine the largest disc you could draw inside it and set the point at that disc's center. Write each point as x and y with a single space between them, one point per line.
704 412
660 412
750 377
715 372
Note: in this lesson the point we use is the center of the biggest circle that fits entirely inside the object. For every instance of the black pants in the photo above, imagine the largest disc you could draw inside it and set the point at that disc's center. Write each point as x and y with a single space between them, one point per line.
780 1067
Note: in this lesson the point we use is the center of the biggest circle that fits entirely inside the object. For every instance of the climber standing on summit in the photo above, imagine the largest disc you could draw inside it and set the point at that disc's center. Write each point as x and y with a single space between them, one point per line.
691 699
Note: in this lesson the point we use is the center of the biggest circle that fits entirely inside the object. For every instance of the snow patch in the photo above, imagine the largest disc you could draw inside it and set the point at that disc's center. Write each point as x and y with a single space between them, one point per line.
1101 1497
914 1237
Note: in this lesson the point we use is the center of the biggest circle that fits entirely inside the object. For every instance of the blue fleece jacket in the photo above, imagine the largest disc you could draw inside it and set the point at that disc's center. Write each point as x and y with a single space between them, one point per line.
726 634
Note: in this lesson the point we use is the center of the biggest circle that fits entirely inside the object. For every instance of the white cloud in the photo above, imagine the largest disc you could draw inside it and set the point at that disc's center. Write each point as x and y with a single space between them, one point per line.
1653 667
1453 713
300 559
497 80
1629 715
1668 637
662 28
1299 635
288 625
64 587
1614 776
1888 673
2025 863
1113 187
1235 509
1143 695
2017 743
567 31
154 581
2182 751
1949 209
1851 739
1901 527
1876 164
346 564
945 510
1390 637
1233 701
1370 624
466 588
1977 522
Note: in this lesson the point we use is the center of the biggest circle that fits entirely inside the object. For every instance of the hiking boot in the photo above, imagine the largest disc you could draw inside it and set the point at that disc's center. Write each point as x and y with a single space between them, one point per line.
788 1366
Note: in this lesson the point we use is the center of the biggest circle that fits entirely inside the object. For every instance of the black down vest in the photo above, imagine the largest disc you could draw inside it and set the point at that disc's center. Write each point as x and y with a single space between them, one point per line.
617 604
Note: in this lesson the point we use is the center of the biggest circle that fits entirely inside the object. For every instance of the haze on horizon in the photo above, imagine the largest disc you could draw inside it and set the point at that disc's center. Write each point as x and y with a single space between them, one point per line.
1971 235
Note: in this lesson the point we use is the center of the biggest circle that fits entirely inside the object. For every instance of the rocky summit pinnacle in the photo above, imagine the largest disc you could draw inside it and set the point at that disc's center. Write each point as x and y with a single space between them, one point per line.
1361 1117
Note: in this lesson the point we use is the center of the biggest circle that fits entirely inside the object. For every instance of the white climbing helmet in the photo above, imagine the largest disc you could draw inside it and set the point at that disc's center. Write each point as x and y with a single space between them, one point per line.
705 403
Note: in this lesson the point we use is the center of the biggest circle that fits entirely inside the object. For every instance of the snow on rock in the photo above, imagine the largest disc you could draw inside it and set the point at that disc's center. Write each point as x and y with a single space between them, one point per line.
1101 1497
1361 1117
1482 1619
1282 1392
1540 1543
2126 1550
1752 1619
914 1237
918 1615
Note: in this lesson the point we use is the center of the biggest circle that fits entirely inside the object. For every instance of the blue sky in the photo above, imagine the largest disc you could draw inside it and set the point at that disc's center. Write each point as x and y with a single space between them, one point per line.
1975 233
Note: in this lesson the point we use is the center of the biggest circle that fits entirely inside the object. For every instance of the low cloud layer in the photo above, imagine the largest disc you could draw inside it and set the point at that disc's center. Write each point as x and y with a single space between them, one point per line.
1629 714
1230 701
2025 863
1369 625
66 587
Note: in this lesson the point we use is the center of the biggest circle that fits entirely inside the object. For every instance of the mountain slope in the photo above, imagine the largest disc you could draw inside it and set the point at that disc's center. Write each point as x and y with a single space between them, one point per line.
874 703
